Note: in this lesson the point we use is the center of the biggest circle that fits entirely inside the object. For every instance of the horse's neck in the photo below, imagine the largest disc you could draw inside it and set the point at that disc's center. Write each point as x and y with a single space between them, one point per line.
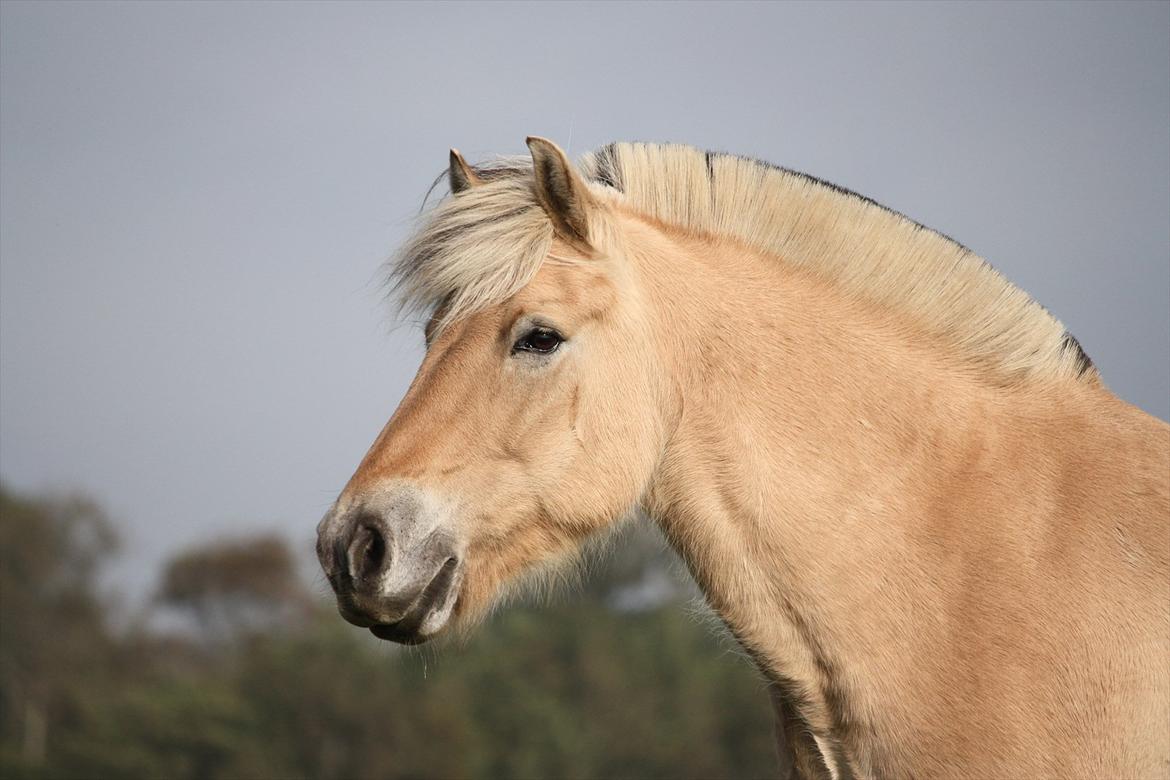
808 432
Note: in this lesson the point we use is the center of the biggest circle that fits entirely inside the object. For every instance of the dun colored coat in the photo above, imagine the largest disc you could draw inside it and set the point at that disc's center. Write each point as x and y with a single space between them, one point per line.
897 479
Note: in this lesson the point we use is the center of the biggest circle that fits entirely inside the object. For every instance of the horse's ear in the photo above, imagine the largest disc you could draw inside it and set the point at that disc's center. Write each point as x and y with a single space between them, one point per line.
460 175
562 191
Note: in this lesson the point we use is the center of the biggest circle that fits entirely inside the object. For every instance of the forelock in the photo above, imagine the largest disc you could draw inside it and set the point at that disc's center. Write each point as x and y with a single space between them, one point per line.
474 249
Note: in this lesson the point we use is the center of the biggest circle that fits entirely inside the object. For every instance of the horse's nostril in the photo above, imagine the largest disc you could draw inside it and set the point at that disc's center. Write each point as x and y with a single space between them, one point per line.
376 551
367 552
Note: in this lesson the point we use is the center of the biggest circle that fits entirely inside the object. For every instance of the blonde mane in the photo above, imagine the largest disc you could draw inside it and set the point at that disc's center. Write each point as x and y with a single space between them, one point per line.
488 242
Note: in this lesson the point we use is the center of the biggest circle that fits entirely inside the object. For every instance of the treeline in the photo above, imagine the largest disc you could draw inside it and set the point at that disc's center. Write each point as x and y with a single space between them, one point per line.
258 677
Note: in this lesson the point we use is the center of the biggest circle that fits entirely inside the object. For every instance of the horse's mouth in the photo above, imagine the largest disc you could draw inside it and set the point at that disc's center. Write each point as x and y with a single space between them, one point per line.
430 612
398 632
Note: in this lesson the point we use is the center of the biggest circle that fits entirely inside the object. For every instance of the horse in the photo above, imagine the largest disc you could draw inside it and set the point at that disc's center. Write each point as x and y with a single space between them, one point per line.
899 481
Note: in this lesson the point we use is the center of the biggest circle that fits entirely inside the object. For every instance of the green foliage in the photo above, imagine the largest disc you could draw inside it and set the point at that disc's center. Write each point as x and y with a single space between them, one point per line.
235 586
577 691
574 690
53 638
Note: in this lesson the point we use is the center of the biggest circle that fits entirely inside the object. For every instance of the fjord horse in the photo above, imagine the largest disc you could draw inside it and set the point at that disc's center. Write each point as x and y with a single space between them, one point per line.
897 479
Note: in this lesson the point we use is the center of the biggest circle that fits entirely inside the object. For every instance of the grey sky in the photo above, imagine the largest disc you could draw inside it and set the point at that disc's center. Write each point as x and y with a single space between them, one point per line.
195 199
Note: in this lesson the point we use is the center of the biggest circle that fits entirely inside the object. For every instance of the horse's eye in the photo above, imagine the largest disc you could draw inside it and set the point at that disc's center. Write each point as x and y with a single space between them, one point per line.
539 340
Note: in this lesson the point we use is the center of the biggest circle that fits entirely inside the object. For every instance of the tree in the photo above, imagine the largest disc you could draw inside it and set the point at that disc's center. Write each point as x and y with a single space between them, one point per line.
52 627
237 587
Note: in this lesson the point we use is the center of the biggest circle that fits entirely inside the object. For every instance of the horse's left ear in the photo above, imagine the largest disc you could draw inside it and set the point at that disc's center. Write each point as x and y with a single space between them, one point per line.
460 175
561 190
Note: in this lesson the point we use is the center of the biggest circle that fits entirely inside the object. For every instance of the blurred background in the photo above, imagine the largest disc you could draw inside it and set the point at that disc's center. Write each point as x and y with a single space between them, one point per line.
195 202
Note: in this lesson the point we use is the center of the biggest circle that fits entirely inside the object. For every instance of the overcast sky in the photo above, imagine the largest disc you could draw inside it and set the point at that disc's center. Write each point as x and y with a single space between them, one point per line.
195 199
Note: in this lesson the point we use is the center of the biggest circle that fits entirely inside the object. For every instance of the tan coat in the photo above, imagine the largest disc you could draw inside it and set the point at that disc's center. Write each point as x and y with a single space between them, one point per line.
896 478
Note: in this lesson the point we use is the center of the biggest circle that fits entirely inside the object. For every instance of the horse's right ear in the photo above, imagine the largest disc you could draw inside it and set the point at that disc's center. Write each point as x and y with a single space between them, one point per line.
561 190
460 175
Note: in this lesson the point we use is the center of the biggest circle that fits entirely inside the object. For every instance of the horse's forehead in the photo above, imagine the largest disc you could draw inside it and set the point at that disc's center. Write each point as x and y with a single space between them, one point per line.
576 289
571 285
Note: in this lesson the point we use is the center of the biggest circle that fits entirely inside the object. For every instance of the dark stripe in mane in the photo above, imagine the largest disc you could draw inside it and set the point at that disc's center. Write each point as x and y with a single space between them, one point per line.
607 170
837 188
1084 362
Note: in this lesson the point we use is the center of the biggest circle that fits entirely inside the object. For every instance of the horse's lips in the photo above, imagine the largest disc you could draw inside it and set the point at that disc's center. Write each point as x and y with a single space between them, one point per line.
395 632
406 630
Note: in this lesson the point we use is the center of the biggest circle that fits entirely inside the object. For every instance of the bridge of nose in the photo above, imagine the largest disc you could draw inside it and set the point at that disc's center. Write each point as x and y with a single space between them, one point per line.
447 409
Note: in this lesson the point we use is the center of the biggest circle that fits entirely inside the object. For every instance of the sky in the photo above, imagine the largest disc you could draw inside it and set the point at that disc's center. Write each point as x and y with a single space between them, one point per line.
196 200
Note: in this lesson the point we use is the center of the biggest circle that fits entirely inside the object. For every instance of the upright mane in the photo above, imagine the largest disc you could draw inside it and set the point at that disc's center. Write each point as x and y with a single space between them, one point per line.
488 242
